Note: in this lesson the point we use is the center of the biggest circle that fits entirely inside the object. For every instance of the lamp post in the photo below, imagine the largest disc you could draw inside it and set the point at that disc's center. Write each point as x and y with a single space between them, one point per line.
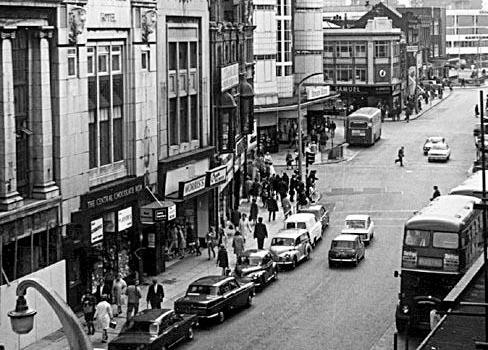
299 116
22 318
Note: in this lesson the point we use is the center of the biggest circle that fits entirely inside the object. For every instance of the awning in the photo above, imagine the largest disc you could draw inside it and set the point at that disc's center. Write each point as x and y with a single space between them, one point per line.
158 211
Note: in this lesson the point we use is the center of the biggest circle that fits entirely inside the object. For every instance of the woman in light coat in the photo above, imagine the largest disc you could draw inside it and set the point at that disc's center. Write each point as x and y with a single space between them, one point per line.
103 315
245 227
238 244
118 289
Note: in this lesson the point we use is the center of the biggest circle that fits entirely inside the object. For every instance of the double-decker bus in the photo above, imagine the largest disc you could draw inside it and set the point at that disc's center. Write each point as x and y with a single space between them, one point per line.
440 243
363 127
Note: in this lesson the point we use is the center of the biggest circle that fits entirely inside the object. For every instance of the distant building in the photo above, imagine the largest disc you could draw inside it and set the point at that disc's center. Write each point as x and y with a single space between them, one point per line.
449 4
364 64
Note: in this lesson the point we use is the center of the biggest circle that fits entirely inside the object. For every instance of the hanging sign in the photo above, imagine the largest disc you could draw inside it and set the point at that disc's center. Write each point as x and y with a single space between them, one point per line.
96 230
125 218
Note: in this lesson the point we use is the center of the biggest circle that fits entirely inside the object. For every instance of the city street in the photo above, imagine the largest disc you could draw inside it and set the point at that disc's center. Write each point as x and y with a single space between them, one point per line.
315 307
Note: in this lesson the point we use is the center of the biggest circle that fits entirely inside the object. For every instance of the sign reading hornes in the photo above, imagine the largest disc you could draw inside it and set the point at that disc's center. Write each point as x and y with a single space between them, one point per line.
192 186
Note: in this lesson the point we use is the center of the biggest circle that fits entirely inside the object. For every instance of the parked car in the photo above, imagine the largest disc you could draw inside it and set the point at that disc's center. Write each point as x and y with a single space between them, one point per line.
213 296
439 151
154 329
431 141
346 248
361 225
308 222
321 214
291 246
256 266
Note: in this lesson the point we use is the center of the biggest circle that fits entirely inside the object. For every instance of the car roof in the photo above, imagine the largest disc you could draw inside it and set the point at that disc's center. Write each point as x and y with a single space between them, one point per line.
290 233
255 252
313 207
300 217
151 315
345 237
438 138
211 280
357 217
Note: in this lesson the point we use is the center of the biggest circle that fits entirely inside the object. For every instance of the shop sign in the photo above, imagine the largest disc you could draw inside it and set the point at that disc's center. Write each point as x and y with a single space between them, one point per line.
96 230
151 240
382 90
125 218
314 92
412 48
109 13
122 192
187 188
216 176
157 212
348 89
229 76
240 147
475 37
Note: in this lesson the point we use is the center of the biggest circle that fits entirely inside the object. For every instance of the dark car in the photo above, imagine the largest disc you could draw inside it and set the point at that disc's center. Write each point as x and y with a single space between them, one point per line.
346 248
321 214
212 296
256 266
154 329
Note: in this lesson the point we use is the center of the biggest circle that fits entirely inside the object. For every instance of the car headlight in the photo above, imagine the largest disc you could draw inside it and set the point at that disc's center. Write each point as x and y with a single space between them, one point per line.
255 277
287 256
405 309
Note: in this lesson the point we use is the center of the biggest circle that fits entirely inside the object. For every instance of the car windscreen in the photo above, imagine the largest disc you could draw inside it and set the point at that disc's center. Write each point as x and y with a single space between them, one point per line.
439 146
358 125
435 139
277 241
448 240
417 238
296 225
201 289
139 327
355 224
250 260
342 244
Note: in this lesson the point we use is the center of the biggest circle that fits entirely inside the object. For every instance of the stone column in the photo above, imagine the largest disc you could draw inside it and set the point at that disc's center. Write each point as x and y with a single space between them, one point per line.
9 197
42 127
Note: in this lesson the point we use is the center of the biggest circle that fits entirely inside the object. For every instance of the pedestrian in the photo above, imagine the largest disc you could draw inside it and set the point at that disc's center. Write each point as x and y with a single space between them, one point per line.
104 288
260 233
118 289
286 206
476 111
238 244
248 187
181 241
88 303
155 294
289 160
223 259
272 207
401 154
253 213
265 193
103 315
436 193
210 239
133 296
408 113
245 227
192 240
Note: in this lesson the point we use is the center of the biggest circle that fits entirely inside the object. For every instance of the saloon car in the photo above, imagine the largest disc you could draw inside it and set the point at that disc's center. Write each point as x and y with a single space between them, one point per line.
256 266
212 297
307 221
430 142
346 248
289 247
439 151
154 329
321 214
361 225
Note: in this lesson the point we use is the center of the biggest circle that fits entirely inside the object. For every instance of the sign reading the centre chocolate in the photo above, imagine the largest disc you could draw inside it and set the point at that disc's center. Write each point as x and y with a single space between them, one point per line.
121 192
192 186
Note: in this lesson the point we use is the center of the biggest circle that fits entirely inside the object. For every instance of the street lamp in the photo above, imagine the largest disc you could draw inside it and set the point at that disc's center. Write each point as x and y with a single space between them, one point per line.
22 318
299 114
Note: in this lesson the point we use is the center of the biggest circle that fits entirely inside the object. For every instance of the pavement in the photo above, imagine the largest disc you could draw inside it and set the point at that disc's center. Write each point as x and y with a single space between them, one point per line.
180 273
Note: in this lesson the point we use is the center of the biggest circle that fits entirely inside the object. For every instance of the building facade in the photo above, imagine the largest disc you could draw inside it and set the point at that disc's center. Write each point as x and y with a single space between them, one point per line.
79 142
364 64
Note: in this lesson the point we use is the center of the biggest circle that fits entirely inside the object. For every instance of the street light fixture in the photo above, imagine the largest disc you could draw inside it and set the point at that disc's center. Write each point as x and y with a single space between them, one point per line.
22 318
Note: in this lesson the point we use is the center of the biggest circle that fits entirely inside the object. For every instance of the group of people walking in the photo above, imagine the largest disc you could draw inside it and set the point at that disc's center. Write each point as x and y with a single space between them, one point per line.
103 306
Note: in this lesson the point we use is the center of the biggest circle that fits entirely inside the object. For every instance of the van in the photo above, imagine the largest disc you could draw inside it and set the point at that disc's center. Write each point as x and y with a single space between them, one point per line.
308 222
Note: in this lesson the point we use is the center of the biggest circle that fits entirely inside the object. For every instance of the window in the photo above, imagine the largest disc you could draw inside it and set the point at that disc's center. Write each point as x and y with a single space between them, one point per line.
381 49
71 62
329 50
344 49
184 109
144 60
417 238
329 73
278 71
105 106
90 60
360 74
344 73
288 70
360 50
446 240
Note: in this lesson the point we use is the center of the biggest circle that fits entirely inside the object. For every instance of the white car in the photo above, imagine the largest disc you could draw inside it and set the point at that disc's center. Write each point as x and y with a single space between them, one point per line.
360 225
430 142
439 151
308 222
289 247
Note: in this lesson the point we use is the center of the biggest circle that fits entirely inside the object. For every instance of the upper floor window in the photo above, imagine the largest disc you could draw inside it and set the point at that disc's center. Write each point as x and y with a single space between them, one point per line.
360 50
381 49
105 104
344 49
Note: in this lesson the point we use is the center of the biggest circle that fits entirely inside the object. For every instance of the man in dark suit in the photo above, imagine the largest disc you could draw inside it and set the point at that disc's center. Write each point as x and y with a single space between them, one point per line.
260 233
155 294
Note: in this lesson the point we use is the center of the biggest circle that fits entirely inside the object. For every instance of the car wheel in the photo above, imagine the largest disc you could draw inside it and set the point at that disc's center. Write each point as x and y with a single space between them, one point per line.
189 334
249 300
221 316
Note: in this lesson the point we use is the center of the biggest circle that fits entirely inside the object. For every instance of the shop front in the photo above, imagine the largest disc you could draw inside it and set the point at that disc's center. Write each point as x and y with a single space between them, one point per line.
369 95
104 236
267 125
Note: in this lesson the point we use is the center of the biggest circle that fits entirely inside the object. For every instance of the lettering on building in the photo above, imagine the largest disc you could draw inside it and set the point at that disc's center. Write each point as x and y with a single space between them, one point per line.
349 89
107 18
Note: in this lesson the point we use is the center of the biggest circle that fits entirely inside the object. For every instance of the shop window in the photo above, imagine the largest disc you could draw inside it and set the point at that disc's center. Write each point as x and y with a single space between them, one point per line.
106 106
381 49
